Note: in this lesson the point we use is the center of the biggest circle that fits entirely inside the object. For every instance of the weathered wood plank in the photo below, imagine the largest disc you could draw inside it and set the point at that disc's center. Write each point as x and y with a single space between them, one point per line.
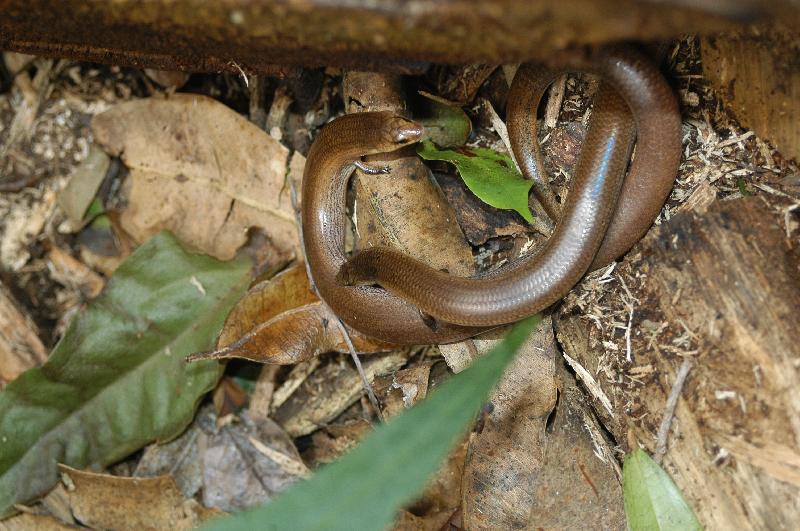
267 35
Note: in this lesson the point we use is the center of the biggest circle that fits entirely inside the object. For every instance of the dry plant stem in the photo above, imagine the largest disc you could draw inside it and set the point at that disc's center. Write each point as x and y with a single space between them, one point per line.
356 360
669 411
256 88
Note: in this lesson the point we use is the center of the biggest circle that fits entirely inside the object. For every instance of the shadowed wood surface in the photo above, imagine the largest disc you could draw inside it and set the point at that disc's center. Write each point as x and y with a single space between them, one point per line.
271 36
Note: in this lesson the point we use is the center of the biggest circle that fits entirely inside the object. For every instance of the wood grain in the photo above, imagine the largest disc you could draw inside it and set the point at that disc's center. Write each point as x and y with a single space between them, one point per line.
757 75
723 288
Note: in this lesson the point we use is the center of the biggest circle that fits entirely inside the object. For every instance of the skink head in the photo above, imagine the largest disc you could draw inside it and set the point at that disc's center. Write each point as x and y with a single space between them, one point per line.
400 131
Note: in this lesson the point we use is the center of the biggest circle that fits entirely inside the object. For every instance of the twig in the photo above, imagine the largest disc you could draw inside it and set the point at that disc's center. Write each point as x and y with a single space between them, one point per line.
364 380
669 410
241 73
628 352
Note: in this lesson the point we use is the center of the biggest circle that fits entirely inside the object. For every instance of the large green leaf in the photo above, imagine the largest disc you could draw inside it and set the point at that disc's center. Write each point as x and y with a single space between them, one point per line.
652 501
365 488
488 174
117 380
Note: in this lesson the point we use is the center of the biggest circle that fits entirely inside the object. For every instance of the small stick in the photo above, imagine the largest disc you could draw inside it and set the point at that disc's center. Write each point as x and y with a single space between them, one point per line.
669 410
628 352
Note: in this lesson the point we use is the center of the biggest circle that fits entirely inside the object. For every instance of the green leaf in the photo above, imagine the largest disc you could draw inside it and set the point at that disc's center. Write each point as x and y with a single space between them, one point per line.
652 500
445 125
740 183
95 213
117 380
365 488
488 174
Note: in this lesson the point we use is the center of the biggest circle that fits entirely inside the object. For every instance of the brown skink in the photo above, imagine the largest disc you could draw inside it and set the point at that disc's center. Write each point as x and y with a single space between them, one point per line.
331 160
657 123
465 306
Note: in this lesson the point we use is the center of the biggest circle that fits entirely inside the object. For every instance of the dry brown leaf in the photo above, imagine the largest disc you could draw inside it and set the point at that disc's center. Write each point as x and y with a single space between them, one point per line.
405 209
287 290
180 457
112 502
200 170
479 221
20 346
580 465
228 397
506 454
280 321
247 463
403 389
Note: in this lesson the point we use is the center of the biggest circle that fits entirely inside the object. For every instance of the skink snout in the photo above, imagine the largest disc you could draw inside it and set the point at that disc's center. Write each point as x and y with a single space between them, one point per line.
405 131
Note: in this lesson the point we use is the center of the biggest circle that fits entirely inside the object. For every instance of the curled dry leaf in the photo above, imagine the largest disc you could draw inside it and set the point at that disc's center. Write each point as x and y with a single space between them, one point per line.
102 501
280 321
200 170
